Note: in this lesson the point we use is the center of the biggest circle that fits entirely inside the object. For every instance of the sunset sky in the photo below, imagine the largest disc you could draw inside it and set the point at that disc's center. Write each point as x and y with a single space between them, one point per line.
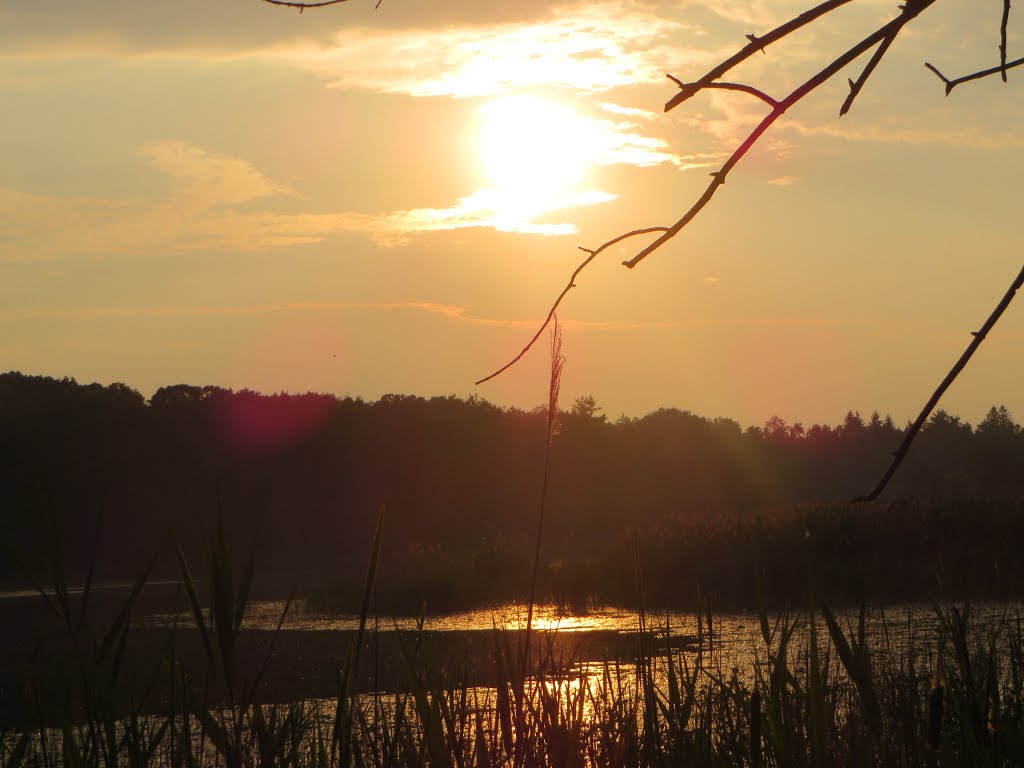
363 201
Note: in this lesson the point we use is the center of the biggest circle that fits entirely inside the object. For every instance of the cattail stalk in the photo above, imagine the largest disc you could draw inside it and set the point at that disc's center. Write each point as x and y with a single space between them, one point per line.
755 728
554 387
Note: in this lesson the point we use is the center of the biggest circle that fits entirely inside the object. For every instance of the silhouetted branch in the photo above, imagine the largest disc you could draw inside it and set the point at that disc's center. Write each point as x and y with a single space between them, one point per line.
951 84
304 6
1002 38
756 44
875 58
979 336
910 11
569 286
882 37
743 87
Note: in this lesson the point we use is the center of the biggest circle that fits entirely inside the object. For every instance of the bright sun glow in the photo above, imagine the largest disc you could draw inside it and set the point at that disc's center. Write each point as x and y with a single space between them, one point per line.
534 148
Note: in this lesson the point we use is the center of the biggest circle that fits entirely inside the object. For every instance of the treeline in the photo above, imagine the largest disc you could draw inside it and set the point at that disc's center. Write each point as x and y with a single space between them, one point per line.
299 478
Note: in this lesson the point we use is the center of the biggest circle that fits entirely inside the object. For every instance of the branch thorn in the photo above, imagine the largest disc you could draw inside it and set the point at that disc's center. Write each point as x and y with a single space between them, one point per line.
755 40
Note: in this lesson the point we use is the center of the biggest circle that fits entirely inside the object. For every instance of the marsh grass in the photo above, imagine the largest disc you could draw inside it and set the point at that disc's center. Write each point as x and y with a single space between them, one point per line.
829 691
901 552
822 689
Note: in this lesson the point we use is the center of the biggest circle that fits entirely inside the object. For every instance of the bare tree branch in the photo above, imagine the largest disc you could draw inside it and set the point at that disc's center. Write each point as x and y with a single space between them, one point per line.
742 87
1002 38
881 40
875 58
951 84
908 12
979 336
571 284
756 44
304 6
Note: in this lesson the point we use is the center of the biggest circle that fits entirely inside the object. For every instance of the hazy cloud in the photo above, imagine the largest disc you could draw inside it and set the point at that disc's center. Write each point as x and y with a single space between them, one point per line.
503 211
209 179
618 109
455 313
901 134
201 213
586 48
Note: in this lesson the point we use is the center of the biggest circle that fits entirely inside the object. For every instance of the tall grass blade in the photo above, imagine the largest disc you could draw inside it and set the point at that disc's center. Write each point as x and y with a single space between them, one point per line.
120 624
341 736
856 661
193 599
17 754
815 697
554 388
87 588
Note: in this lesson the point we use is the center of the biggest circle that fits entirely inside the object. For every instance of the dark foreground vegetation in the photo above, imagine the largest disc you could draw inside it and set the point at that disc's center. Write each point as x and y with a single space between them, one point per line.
704 501
817 691
671 509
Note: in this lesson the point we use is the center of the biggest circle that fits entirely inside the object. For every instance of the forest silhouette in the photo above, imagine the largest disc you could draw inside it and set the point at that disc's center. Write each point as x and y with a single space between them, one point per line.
299 478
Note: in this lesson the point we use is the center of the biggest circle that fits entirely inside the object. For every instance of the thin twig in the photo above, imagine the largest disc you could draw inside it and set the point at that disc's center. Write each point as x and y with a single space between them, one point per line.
756 44
1002 38
569 286
951 84
875 58
979 336
743 87
303 6
910 11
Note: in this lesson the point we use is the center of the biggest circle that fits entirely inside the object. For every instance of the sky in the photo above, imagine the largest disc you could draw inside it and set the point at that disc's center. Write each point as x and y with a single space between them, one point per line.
366 200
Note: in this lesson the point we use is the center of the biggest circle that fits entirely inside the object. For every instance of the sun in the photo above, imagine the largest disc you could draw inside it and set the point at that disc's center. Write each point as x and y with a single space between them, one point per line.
533 147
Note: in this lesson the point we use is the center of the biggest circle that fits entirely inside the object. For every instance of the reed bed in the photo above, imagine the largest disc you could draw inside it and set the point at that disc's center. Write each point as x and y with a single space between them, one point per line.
821 690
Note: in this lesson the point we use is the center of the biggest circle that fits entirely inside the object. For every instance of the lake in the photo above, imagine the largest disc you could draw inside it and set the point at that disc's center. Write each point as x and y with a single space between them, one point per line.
311 646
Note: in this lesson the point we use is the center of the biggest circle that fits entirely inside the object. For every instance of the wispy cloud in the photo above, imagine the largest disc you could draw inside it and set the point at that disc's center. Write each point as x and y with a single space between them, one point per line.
583 47
752 13
202 212
454 313
618 109
208 179
785 181
901 134
503 211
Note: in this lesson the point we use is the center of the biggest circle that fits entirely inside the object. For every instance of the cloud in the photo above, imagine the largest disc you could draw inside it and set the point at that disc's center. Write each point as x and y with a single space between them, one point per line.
785 181
209 179
756 14
591 47
896 134
455 313
618 109
201 213
621 144
503 211
729 120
